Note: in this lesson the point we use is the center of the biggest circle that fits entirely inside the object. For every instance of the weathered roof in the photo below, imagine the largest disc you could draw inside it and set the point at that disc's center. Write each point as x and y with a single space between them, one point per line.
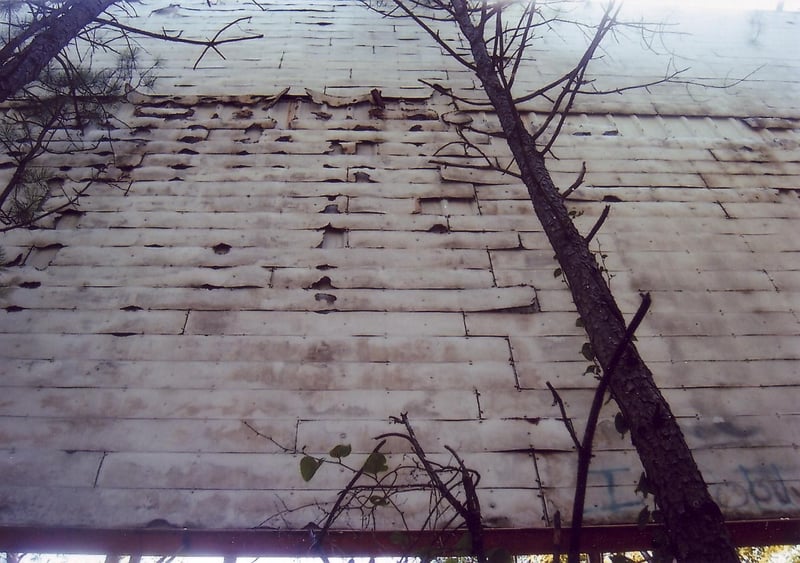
302 266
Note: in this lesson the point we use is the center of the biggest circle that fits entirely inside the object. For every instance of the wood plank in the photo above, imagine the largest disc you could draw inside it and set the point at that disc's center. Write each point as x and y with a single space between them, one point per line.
397 189
92 322
266 348
683 402
333 324
534 324
260 220
245 471
254 277
254 299
384 239
256 374
50 438
236 404
386 278
158 237
23 466
226 509
745 483
288 257
643 279
486 435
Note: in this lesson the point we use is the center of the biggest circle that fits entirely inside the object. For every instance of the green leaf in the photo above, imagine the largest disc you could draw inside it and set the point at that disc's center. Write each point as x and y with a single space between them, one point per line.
340 451
499 555
621 424
579 322
557 273
587 351
376 462
308 467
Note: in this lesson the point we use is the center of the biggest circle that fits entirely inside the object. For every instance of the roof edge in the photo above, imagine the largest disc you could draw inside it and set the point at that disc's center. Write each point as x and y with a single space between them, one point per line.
354 543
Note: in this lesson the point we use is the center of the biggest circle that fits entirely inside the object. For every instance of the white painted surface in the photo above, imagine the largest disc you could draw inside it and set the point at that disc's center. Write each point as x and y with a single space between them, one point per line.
177 312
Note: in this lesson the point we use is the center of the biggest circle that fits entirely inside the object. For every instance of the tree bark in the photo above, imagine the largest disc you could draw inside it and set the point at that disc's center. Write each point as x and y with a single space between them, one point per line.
18 71
694 523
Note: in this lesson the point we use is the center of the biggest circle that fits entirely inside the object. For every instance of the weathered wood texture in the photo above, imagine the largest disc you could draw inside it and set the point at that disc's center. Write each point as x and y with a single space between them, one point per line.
305 271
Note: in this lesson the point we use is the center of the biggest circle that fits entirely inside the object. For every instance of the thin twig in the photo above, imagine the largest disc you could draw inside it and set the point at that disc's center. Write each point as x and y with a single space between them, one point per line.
434 34
319 535
577 183
213 43
598 224
569 93
522 45
564 418
473 506
449 93
270 438
177 38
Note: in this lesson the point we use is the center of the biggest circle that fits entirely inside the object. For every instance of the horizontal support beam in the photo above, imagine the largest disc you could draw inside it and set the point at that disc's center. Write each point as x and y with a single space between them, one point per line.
353 543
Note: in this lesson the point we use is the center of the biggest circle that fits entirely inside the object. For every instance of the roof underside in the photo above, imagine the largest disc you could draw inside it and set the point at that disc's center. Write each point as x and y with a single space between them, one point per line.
278 272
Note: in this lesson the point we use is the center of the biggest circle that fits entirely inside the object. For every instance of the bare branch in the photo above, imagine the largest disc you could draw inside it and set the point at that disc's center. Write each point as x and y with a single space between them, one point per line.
469 510
467 144
522 45
569 91
212 43
447 92
672 78
427 465
564 418
585 451
577 183
434 34
319 536
473 506
260 434
598 224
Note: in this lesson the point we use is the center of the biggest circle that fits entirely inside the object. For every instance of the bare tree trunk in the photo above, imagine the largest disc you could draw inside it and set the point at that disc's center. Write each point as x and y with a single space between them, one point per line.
17 71
694 523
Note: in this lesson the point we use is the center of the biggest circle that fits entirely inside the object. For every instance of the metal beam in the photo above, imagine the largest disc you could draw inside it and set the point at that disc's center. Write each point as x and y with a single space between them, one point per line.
353 543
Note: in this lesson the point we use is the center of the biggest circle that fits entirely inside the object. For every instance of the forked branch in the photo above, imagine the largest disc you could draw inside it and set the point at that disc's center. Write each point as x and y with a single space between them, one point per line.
209 44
